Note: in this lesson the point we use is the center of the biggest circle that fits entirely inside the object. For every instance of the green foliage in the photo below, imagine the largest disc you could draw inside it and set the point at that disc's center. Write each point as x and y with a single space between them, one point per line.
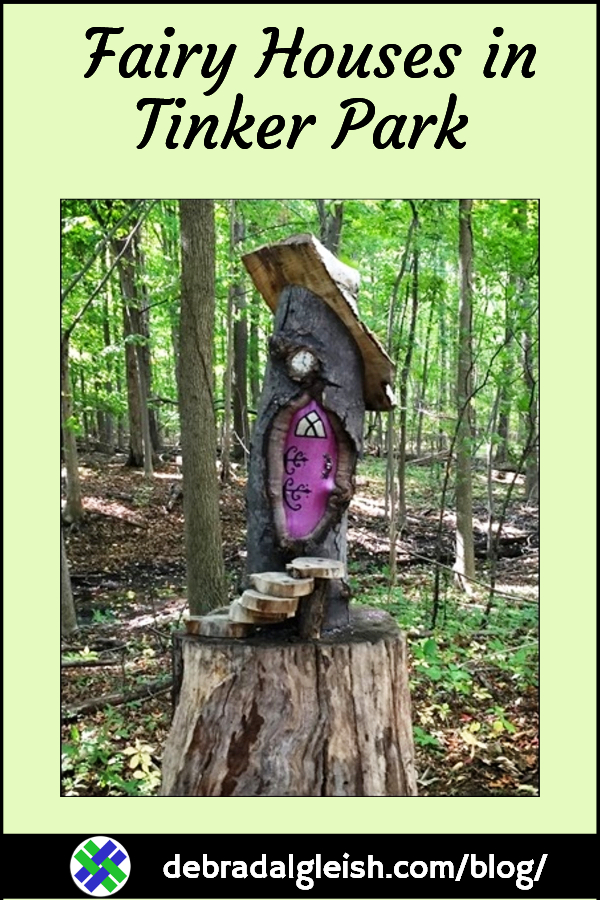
103 616
104 760
374 239
423 739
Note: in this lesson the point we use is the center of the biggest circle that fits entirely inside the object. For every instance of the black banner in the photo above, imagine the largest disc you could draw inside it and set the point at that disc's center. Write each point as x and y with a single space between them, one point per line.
316 865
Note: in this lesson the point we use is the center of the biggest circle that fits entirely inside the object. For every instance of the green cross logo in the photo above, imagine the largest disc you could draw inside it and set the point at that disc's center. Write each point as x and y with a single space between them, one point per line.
100 866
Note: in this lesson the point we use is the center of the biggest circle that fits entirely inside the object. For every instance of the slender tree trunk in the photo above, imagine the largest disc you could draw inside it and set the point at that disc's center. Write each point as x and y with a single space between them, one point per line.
532 475
120 425
140 442
73 510
502 448
490 483
105 418
146 431
68 618
395 290
330 224
423 386
254 354
84 414
240 345
144 349
175 346
204 551
227 393
391 498
404 383
530 416
128 300
442 404
465 554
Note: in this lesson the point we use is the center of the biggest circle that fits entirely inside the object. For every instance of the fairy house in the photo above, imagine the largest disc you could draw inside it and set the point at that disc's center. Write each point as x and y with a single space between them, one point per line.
325 369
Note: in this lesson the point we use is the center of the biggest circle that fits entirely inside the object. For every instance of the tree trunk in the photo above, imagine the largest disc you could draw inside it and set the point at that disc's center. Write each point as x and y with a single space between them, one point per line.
84 415
130 330
391 495
330 224
531 436
443 364
422 393
204 549
227 392
270 718
240 344
465 554
404 384
502 448
532 474
146 431
73 510
105 417
240 390
254 351
144 349
68 618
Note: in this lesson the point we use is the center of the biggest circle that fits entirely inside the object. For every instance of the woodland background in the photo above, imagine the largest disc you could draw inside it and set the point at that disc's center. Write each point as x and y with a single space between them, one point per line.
450 288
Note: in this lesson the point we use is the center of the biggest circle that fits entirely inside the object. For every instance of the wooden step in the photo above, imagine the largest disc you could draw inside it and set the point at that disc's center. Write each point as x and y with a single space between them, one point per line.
316 567
240 613
217 624
280 584
265 603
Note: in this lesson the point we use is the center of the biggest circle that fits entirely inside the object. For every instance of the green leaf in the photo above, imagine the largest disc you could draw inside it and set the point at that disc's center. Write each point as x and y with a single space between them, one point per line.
430 649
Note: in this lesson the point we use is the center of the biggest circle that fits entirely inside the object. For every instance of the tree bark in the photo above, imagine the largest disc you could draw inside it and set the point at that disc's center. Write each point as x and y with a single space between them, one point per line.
443 368
532 475
205 574
502 448
330 224
131 329
68 618
465 554
73 510
144 349
404 374
422 392
270 718
240 343
254 350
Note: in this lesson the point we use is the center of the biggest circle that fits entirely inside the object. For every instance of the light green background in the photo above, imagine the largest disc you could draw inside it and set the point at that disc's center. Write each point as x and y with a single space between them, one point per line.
66 136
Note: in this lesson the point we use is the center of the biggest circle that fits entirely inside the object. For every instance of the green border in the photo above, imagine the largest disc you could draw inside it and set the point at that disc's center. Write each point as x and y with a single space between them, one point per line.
75 137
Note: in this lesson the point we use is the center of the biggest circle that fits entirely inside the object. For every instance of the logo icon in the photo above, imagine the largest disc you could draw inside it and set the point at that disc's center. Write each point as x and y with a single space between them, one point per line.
100 866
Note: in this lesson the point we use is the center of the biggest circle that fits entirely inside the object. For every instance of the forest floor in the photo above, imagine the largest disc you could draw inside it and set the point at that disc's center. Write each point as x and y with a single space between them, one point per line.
474 679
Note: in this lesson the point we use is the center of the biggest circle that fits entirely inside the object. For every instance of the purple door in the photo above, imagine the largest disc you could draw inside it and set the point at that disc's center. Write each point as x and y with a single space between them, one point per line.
309 468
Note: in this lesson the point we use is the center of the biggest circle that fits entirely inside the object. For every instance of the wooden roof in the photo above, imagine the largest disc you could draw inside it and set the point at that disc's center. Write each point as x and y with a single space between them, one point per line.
303 260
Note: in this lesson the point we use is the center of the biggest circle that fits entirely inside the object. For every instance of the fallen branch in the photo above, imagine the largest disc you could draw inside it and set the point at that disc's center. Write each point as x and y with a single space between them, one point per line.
87 663
153 689
428 460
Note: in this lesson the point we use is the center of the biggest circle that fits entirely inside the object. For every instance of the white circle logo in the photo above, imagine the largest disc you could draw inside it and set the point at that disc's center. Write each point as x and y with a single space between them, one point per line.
100 866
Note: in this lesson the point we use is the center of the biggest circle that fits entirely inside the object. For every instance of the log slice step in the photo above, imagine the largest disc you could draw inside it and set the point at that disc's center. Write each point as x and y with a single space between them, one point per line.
316 567
217 624
280 584
240 613
265 603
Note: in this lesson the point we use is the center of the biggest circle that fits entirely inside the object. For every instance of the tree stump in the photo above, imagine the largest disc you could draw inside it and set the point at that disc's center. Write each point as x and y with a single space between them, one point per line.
276 716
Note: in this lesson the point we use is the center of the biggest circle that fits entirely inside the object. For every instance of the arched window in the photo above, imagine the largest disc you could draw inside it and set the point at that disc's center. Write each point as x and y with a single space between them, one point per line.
310 425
